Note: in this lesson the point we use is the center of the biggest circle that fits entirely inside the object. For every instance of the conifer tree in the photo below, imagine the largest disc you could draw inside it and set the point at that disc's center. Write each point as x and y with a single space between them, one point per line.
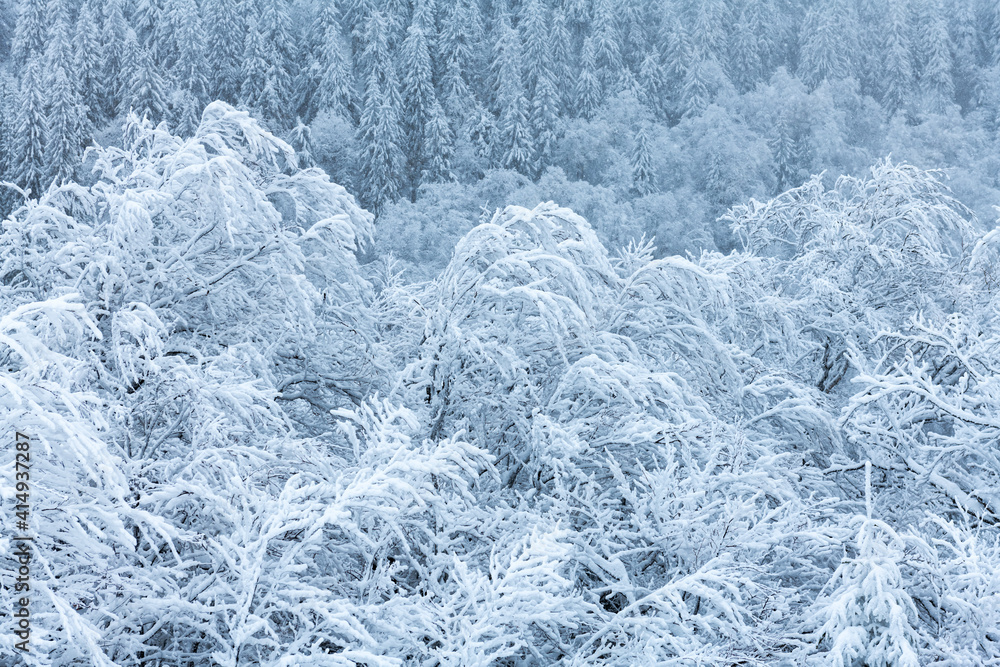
866 616
379 134
112 58
458 98
438 147
744 54
991 34
418 98
226 40
677 59
827 43
873 21
379 131
588 86
8 118
936 83
376 59
483 133
59 43
329 79
965 40
542 90
544 120
144 92
30 131
189 65
31 31
561 49
460 47
64 134
708 28
185 112
513 140
695 92
643 173
535 35
254 68
784 147
607 42
267 84
652 81
897 78
300 138
87 62
146 19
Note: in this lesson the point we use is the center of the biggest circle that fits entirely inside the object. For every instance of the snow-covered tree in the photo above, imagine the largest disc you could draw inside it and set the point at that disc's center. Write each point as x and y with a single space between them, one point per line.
643 173
30 35
113 72
225 40
588 93
329 81
144 91
30 130
896 82
867 616
64 130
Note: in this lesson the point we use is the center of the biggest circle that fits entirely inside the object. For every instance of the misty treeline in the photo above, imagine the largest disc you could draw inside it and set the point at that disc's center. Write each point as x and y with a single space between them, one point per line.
303 389
646 116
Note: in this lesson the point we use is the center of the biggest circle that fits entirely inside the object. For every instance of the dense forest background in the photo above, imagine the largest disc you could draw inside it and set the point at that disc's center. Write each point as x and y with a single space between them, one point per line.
338 342
646 116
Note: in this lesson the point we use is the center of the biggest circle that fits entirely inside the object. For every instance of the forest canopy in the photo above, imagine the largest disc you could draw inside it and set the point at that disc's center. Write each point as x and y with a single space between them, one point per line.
496 334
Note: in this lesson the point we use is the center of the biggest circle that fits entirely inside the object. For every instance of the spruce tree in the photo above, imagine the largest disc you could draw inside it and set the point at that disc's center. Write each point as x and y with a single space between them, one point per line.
376 59
827 43
588 86
276 31
542 91
379 135
146 19
112 58
8 118
64 134
677 59
461 47
458 98
300 138
936 84
225 39
31 31
189 66
59 44
30 130
544 120
418 98
535 35
652 81
965 41
695 91
255 65
560 40
437 147
607 42
643 173
144 90
897 71
744 55
513 140
328 83
87 62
